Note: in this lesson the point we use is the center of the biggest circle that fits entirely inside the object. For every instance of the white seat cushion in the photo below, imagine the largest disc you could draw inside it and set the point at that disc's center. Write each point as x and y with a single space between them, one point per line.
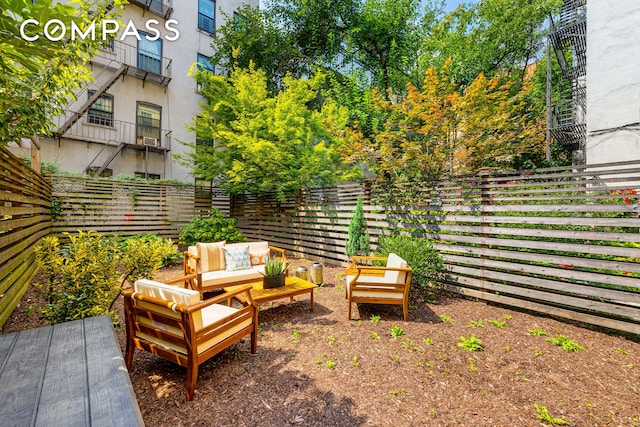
219 277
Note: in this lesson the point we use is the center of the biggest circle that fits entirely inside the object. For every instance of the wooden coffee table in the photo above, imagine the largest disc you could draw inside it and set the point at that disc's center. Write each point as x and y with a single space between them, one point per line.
293 286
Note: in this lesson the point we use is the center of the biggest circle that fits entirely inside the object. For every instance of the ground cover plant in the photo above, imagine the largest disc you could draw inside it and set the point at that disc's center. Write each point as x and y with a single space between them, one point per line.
319 369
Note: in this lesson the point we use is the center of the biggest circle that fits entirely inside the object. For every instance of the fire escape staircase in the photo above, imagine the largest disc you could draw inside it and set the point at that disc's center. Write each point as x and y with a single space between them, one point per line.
117 151
570 33
93 98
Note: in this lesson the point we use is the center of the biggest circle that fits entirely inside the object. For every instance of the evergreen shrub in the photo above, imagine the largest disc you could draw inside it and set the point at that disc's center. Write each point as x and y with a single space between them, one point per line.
358 239
421 256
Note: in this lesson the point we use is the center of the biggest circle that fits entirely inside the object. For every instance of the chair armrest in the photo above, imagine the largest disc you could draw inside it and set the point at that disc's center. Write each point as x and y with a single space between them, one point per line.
187 279
276 249
222 297
196 258
374 268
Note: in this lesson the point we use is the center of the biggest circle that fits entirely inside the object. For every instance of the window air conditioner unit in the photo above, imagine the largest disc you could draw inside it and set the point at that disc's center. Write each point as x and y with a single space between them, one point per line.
147 140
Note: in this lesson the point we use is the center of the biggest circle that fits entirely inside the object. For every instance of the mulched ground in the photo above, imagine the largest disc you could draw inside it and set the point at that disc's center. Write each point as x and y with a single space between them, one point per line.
319 369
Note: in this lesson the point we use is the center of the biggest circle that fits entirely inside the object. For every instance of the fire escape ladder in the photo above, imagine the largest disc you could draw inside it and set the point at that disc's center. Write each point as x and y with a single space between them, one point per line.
93 98
106 164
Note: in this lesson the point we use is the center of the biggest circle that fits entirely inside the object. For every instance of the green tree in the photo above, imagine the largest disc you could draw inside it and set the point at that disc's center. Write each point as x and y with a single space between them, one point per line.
40 76
380 37
358 239
266 144
492 37
255 36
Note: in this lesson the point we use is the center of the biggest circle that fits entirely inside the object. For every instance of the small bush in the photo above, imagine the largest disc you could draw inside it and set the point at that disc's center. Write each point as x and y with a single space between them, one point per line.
151 244
85 277
424 260
215 228
81 280
143 254
358 239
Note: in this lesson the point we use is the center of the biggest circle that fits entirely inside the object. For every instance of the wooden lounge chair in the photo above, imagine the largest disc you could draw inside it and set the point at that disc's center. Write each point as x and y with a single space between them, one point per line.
172 323
371 284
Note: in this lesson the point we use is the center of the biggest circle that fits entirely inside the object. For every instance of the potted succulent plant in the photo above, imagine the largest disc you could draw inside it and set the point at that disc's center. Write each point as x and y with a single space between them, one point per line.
275 270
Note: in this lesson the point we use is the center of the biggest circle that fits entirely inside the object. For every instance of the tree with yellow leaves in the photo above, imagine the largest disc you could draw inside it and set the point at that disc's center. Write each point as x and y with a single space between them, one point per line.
436 130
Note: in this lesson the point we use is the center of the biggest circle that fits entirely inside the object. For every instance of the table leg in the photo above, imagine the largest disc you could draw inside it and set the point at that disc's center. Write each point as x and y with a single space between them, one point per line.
311 299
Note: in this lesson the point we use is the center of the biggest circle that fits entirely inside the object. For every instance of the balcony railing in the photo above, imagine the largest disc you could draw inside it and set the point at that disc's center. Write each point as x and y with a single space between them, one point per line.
144 65
105 131
161 8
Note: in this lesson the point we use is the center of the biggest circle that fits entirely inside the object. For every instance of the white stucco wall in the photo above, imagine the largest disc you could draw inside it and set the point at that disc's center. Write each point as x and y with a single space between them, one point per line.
179 100
613 81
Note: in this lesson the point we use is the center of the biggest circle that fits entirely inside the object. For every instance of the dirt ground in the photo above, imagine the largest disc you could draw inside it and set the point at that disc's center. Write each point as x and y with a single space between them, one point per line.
320 369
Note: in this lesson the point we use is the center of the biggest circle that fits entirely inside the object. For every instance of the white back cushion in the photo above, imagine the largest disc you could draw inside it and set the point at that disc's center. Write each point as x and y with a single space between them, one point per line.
171 293
211 256
395 276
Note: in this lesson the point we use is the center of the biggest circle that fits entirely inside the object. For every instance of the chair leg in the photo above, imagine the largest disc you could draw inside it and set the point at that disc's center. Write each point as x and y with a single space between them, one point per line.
405 311
349 302
254 340
128 355
190 381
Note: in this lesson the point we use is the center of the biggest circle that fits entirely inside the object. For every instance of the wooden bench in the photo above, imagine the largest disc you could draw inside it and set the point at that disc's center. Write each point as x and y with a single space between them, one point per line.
69 374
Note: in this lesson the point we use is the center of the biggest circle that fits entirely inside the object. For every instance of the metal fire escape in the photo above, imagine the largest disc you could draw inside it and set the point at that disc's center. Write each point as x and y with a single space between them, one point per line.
566 99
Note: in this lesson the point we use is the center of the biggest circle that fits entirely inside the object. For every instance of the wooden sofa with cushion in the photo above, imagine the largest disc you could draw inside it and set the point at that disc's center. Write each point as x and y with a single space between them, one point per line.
217 265
388 284
172 323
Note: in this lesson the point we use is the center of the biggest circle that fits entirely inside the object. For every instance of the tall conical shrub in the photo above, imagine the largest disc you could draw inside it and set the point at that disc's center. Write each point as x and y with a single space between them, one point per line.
358 240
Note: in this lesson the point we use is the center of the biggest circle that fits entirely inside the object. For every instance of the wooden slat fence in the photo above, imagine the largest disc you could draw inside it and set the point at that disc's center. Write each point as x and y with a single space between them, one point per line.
128 207
561 241
24 220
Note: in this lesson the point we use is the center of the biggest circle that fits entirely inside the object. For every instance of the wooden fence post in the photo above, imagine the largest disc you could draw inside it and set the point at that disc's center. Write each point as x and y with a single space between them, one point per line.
485 200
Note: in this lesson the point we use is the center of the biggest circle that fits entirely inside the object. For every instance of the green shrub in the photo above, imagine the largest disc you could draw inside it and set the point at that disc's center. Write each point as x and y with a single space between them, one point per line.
148 245
80 280
424 260
143 254
215 228
358 239
85 277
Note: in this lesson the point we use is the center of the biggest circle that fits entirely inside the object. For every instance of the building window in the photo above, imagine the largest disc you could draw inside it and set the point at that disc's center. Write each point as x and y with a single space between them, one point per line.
207 15
204 63
101 112
149 54
148 124
202 140
146 175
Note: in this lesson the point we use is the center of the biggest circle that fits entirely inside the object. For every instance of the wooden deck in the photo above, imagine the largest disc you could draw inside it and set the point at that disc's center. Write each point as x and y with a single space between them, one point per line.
69 374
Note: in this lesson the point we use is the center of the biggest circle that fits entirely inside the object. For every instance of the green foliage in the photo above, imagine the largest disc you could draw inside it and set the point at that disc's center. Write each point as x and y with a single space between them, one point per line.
537 332
275 267
497 323
143 254
214 228
566 343
358 239
85 277
80 280
396 331
266 144
50 168
446 318
543 414
472 343
40 76
258 37
421 256
374 318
